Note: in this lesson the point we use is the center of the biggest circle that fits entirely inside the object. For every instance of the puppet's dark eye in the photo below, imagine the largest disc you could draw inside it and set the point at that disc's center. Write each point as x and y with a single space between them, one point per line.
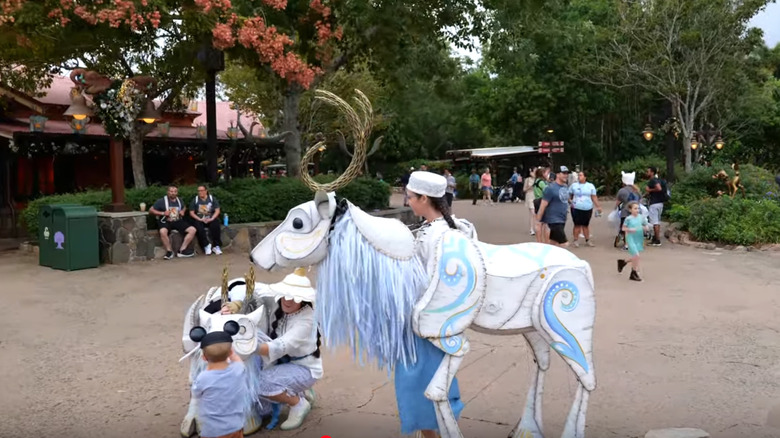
197 333
231 328
297 223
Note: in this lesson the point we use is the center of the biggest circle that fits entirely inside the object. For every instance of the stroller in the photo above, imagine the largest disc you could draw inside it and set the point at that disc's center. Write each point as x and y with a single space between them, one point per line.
614 220
504 192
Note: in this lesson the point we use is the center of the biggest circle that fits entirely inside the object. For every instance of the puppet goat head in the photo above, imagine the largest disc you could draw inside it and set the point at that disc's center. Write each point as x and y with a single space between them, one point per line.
302 239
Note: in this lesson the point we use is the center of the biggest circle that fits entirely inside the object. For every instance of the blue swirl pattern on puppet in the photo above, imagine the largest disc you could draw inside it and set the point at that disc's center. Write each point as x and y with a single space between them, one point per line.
571 297
453 344
454 250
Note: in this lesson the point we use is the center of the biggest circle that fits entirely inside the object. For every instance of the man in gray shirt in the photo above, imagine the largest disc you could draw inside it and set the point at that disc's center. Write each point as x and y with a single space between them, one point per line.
451 185
554 207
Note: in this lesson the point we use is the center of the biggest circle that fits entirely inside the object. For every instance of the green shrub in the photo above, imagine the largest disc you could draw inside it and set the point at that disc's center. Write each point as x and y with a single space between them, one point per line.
244 200
735 221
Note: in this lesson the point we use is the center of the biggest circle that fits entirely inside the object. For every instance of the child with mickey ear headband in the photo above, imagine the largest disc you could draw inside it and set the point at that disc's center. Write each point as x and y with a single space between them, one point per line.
221 387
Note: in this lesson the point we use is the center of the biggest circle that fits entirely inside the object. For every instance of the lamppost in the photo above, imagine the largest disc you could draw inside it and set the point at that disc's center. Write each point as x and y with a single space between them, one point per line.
703 141
671 129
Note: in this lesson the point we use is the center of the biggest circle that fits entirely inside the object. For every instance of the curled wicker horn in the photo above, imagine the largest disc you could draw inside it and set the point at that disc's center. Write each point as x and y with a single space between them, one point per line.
360 123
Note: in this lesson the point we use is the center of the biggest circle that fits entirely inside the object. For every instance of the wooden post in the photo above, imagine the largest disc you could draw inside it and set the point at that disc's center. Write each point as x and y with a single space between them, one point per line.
116 153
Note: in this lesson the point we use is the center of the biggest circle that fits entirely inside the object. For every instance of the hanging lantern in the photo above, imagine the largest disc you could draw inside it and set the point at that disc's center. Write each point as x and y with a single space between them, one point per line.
200 131
648 132
719 143
79 126
38 123
150 114
694 143
232 132
164 129
78 109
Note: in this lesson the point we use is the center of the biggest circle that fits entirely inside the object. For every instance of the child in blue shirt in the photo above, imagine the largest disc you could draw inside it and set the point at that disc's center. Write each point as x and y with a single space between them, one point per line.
633 226
220 389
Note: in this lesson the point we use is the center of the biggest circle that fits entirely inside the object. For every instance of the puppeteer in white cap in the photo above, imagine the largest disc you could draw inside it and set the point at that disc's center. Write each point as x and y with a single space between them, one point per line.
428 184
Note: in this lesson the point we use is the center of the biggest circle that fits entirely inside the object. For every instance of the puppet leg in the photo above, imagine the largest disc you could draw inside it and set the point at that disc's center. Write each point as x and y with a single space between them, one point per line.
575 421
530 424
439 389
189 426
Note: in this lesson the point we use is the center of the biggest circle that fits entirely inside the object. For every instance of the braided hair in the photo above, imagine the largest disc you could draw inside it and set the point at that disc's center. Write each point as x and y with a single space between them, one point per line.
278 315
441 205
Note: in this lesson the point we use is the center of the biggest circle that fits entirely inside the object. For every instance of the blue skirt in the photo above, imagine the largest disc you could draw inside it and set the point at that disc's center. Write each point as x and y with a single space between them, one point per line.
415 410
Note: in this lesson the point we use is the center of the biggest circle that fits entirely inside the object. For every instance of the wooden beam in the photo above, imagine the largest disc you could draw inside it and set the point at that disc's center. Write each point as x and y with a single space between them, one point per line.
22 99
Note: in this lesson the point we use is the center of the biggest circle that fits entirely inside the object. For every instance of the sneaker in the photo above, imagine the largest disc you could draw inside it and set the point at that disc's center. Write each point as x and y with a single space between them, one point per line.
168 255
655 242
297 414
576 244
207 249
621 264
533 233
634 276
186 253
217 250
589 243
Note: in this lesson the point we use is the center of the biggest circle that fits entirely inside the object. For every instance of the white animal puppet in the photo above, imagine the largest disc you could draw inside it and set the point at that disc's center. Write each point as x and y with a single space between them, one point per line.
372 291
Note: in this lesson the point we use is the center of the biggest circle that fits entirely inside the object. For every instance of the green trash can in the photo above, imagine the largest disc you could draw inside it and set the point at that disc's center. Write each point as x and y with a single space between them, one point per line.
45 234
74 238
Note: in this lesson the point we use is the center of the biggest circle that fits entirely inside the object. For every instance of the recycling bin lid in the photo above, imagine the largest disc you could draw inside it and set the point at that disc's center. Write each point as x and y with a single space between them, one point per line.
76 211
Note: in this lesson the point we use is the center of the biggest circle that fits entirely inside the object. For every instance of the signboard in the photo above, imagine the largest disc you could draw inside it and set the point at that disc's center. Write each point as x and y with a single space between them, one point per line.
550 147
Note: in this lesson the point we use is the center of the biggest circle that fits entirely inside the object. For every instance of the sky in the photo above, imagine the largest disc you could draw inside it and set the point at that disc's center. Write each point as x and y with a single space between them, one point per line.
768 20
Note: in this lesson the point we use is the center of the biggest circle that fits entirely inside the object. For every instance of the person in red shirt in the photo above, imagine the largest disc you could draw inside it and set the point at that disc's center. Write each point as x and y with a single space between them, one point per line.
487 187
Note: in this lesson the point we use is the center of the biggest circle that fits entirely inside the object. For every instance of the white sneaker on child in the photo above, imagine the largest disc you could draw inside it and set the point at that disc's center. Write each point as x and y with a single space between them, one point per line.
217 250
207 249
297 414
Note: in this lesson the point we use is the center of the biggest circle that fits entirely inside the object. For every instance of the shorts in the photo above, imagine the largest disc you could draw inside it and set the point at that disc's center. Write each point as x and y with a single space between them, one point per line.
581 218
180 225
558 233
655 211
537 205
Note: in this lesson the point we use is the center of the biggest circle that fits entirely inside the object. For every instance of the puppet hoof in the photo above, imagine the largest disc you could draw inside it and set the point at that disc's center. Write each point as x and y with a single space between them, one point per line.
188 427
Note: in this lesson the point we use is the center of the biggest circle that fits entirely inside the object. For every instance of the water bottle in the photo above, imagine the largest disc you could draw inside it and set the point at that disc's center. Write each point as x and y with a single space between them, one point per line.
225 219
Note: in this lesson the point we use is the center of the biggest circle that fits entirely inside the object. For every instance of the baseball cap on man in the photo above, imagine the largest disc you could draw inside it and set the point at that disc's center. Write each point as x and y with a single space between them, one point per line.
563 169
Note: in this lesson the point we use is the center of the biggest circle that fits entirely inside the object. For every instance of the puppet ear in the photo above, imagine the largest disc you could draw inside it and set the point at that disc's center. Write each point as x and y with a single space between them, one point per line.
231 328
197 333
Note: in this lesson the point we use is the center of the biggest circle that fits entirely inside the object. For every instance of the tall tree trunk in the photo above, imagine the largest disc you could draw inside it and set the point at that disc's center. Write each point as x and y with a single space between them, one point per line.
137 158
292 144
687 149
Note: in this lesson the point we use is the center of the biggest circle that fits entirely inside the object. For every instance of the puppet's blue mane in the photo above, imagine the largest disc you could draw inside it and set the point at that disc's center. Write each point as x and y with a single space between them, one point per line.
365 299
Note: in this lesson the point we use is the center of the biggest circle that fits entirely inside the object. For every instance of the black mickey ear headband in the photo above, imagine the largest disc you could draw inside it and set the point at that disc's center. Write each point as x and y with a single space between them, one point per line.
199 334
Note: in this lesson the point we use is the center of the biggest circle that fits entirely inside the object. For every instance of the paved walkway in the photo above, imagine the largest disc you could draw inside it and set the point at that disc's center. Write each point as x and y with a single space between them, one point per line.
94 353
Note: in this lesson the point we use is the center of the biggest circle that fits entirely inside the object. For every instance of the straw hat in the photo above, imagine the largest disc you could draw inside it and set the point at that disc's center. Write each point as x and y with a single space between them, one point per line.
295 286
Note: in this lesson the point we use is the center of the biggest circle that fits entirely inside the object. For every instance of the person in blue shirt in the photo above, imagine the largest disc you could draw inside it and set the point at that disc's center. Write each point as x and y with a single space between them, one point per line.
474 186
583 198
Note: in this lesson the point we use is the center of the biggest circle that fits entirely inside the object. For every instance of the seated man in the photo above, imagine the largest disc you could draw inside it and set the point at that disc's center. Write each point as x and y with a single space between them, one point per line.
170 214
204 211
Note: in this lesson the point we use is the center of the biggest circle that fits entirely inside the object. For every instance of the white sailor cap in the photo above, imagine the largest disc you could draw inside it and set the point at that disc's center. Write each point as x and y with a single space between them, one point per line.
427 183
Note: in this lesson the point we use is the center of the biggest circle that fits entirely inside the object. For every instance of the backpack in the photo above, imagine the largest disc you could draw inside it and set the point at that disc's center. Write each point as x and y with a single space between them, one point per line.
665 189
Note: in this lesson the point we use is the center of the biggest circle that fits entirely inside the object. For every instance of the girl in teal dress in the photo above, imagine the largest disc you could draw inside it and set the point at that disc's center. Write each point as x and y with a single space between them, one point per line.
634 227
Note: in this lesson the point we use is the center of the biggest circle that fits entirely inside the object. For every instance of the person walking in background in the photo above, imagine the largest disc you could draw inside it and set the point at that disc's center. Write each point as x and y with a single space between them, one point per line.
451 185
656 189
516 182
528 189
540 183
474 186
634 227
487 187
583 196
625 195
404 182
554 208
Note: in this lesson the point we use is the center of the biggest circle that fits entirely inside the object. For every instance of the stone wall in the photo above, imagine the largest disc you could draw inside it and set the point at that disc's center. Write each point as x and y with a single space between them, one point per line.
244 237
123 237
